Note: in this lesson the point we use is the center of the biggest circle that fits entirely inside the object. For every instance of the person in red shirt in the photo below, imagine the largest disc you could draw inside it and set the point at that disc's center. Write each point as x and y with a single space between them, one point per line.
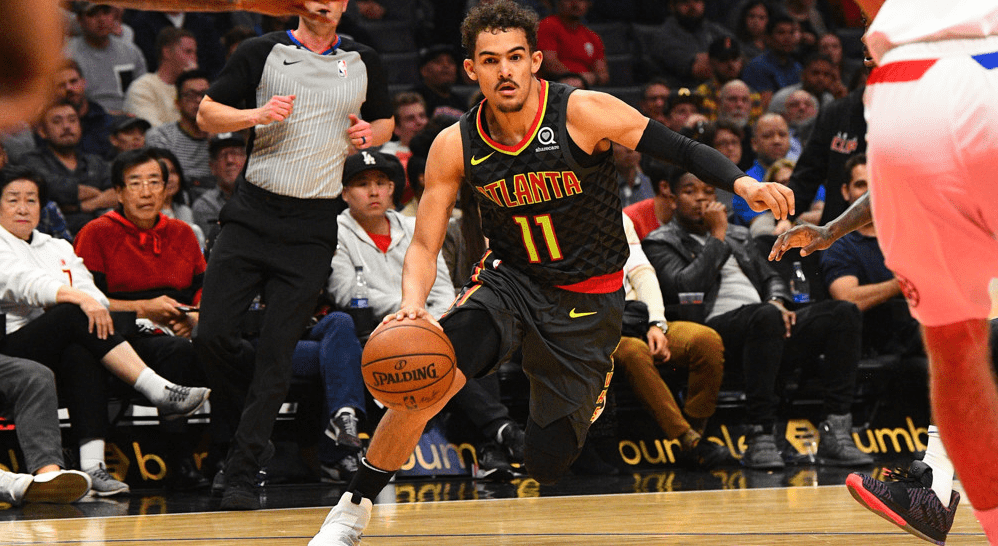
569 46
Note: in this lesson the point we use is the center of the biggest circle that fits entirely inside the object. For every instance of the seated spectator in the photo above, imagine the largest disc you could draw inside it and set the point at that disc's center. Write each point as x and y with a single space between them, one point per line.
735 108
153 97
95 122
777 67
771 142
678 47
330 351
203 26
184 137
374 237
633 183
649 214
52 222
177 201
809 19
79 183
854 271
57 317
127 133
750 28
228 157
682 104
28 394
727 138
151 265
745 302
818 77
726 64
570 46
675 344
438 74
410 119
800 110
830 45
109 63
654 99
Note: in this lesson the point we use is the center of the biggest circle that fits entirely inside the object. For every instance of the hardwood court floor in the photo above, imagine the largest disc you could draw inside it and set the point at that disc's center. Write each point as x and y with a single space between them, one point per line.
798 516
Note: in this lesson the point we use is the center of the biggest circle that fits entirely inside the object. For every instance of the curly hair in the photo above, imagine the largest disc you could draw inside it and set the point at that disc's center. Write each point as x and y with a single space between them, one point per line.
499 16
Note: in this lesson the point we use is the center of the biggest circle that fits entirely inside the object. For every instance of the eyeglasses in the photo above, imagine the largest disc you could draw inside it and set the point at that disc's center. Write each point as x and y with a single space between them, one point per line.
154 184
193 95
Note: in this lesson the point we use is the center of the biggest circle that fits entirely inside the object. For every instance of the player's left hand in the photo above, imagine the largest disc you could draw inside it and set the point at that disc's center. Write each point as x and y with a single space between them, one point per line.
360 133
766 195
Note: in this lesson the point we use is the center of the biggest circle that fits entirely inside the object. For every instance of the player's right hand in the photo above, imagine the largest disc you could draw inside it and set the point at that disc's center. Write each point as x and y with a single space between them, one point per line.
411 312
278 108
761 196
806 237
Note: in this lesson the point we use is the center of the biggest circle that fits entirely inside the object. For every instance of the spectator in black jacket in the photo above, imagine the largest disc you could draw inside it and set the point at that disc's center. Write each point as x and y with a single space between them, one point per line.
745 301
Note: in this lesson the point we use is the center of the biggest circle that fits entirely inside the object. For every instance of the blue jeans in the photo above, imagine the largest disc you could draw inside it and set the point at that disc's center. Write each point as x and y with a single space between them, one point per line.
331 351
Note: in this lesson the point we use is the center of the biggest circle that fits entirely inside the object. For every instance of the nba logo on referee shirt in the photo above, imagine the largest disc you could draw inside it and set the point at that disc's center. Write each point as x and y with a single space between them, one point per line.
341 67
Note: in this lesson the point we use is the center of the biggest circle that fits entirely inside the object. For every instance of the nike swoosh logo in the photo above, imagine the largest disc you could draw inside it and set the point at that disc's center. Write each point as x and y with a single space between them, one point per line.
574 314
286 63
477 161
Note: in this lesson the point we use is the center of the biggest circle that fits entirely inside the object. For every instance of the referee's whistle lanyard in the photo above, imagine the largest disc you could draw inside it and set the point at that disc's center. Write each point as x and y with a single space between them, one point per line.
298 43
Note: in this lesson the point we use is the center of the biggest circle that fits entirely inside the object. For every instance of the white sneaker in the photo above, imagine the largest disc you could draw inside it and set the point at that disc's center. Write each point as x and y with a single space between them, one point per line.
60 487
345 523
14 486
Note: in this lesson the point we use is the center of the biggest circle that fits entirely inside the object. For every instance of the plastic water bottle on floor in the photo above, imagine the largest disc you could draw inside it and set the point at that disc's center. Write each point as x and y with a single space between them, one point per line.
799 287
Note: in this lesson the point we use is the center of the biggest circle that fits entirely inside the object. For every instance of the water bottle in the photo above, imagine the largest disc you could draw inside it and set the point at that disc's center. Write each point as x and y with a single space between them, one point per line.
799 286
360 309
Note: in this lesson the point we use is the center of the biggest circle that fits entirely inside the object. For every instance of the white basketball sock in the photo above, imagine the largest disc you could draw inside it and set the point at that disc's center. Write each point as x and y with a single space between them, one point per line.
152 386
91 453
942 467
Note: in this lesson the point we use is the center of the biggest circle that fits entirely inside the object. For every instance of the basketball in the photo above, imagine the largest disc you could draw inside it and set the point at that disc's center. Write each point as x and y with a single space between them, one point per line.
408 364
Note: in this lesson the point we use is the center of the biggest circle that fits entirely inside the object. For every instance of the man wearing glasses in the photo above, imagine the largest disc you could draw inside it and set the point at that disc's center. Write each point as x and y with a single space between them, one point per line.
184 138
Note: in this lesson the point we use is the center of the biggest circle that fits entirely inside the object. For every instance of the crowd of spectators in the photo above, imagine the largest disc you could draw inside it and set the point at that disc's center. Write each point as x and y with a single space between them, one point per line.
120 169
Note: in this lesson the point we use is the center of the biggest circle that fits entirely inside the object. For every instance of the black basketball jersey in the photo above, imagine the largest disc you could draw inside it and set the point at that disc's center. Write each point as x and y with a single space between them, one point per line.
549 209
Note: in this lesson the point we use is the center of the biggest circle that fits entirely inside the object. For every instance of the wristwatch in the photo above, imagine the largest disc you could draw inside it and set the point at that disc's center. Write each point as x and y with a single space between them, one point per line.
661 325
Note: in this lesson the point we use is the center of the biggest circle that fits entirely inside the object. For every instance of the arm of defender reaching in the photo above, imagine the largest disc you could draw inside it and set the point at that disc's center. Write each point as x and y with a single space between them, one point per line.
811 238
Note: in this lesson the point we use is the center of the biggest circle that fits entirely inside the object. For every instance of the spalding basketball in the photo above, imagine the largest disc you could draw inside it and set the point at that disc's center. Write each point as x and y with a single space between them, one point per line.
408 364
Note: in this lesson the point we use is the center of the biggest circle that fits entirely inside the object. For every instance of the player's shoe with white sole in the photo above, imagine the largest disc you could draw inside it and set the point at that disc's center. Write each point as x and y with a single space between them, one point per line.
345 523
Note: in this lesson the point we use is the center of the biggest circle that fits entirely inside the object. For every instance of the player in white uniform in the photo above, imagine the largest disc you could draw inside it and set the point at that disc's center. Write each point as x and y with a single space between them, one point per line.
933 153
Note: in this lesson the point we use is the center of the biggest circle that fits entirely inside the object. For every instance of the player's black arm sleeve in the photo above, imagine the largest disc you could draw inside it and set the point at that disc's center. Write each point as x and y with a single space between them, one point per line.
705 162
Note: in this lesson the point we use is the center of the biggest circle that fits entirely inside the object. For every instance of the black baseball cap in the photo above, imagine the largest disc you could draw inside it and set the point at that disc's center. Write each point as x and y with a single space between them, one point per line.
124 122
683 95
224 140
366 160
427 54
84 8
724 48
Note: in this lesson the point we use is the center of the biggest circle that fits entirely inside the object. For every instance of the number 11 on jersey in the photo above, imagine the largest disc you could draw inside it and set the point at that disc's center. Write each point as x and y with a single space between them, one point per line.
550 239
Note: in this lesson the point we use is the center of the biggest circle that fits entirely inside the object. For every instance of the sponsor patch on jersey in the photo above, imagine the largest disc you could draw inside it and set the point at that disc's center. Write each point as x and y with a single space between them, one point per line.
341 68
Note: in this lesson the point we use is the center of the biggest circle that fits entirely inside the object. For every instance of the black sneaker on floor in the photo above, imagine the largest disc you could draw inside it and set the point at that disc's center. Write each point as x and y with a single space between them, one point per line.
511 438
492 463
907 500
240 496
707 455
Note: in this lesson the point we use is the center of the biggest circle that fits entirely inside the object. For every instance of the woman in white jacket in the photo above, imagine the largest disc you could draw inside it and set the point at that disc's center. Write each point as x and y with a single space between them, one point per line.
55 315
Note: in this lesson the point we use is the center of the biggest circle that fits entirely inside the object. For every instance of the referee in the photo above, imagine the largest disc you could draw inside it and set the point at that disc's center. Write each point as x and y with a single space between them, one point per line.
306 95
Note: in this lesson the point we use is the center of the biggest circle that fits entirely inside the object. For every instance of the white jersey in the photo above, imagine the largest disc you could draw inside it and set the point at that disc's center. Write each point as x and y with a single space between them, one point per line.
902 22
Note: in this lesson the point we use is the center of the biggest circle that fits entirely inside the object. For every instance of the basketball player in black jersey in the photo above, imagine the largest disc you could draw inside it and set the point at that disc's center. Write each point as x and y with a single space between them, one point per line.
537 155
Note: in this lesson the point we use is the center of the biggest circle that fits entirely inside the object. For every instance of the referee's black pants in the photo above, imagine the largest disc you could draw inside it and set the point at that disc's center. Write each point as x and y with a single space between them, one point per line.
280 247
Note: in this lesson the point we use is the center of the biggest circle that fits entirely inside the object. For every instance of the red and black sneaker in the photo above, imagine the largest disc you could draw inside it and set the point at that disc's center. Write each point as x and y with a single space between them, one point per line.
907 500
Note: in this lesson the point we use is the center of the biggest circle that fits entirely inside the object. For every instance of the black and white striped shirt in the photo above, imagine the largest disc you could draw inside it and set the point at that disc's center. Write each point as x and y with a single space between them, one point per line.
303 155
